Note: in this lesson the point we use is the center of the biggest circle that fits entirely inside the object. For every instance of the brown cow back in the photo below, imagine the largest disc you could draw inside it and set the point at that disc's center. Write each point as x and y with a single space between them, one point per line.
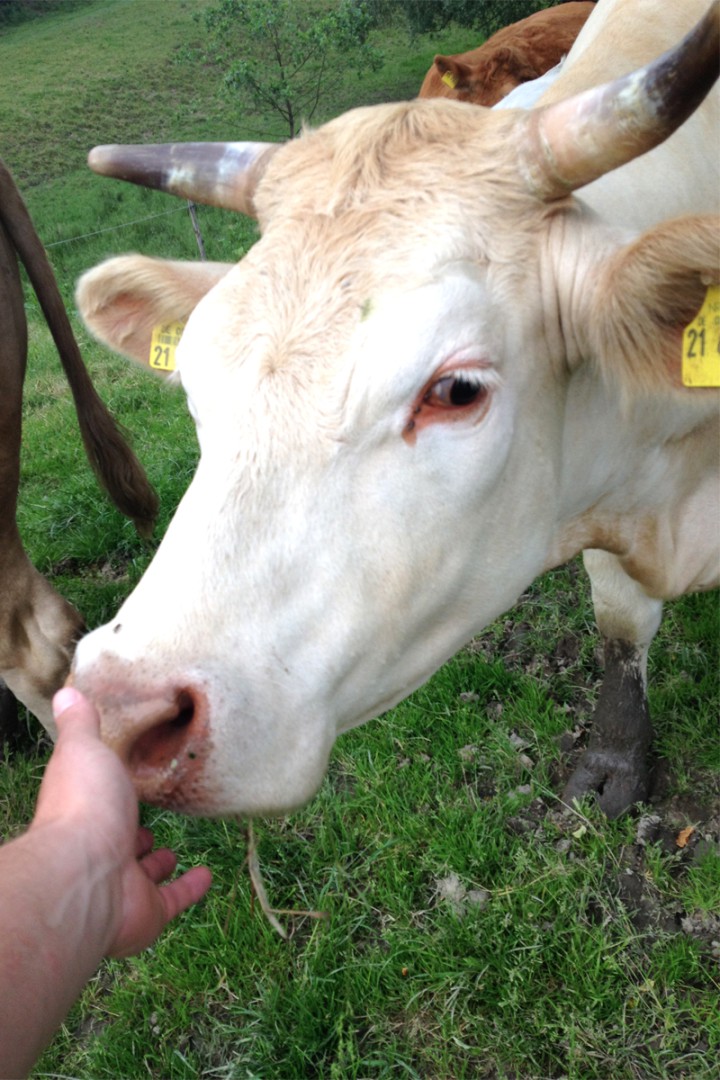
516 54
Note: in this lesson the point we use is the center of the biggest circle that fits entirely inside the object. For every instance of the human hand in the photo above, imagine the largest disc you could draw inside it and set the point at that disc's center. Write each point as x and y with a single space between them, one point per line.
87 795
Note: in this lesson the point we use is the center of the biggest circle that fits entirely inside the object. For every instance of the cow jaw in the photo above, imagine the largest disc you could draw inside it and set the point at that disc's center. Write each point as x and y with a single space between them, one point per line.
268 623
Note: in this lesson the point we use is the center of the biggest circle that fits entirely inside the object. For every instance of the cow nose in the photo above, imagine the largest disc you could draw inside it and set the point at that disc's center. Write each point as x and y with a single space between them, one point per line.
163 742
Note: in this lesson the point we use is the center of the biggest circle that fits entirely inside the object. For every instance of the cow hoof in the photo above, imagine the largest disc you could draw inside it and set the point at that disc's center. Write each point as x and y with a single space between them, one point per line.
13 732
616 782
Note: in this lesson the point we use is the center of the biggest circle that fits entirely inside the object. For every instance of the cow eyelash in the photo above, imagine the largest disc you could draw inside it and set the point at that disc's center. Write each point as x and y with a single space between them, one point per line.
457 389
452 394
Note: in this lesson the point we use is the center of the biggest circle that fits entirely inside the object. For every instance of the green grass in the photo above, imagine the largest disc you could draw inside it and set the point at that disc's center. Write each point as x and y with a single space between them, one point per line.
563 954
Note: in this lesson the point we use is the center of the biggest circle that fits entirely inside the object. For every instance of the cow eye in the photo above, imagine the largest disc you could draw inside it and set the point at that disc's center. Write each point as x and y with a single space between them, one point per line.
455 391
452 395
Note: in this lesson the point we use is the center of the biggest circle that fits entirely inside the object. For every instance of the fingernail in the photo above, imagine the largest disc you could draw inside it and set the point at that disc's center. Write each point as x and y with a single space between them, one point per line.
65 699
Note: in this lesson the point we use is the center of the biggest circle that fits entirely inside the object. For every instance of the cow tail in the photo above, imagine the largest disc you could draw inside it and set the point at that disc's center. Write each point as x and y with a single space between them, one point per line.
114 463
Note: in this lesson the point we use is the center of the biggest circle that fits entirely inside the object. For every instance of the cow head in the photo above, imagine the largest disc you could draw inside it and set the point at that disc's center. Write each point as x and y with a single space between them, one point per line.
379 389
487 80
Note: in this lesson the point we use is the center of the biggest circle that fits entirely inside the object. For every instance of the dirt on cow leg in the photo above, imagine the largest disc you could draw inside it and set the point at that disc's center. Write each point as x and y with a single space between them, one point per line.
615 764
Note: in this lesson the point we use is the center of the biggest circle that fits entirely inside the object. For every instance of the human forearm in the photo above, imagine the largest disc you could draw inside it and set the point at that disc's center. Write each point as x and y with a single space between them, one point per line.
83 882
56 922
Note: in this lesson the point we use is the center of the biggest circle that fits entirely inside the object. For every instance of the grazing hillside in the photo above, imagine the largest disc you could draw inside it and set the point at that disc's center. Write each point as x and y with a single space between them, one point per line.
108 72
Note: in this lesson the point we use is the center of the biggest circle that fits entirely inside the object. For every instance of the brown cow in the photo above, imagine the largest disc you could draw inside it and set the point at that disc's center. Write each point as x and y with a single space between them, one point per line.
514 55
38 628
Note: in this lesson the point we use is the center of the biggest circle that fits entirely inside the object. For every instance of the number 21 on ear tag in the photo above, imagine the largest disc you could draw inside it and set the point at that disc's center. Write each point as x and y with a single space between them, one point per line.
701 344
165 340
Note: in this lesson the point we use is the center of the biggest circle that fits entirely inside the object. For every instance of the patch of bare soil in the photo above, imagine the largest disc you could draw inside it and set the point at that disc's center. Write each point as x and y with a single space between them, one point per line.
687 827
102 570
688 831
678 826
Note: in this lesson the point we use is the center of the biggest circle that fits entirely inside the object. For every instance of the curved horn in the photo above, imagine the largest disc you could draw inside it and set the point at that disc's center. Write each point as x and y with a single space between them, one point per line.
573 142
220 174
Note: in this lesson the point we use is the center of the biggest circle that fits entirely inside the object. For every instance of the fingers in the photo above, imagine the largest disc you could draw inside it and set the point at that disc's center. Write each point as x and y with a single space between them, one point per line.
185 891
153 908
159 865
73 712
143 842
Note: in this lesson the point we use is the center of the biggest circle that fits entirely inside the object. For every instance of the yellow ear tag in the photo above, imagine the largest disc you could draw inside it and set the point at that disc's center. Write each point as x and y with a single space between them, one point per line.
165 340
450 79
701 344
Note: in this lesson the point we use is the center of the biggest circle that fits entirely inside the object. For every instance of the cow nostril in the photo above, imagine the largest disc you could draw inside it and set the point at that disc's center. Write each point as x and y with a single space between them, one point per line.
162 746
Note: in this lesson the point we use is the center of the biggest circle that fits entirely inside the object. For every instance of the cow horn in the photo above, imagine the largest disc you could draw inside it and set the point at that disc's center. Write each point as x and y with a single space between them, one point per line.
570 143
220 174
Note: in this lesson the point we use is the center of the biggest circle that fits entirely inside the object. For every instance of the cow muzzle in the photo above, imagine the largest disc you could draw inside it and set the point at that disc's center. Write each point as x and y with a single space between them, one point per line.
161 737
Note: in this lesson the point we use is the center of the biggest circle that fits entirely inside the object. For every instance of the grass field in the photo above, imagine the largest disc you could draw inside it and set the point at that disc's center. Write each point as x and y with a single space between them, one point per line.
475 927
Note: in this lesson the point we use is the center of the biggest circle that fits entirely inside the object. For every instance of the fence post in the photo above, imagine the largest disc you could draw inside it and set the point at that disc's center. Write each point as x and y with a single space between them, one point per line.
196 229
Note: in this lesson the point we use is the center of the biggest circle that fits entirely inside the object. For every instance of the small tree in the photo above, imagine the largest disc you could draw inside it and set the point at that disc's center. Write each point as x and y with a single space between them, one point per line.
17 11
282 54
429 16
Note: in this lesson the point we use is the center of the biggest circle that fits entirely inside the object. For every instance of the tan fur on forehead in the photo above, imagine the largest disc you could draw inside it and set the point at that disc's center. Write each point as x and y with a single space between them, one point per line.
380 198
397 158
312 283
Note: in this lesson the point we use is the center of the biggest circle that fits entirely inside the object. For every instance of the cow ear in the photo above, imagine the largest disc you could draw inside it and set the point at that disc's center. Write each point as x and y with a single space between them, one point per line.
124 299
452 72
646 295
510 61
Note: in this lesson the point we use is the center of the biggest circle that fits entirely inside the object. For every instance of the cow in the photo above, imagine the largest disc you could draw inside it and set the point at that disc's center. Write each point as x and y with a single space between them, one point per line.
516 54
38 628
440 372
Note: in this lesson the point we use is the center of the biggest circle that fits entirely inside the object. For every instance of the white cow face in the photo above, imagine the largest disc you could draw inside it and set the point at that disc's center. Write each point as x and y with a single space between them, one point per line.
375 483
380 390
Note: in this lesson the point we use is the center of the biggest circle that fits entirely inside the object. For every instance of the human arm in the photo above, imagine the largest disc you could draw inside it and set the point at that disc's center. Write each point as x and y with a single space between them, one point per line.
82 883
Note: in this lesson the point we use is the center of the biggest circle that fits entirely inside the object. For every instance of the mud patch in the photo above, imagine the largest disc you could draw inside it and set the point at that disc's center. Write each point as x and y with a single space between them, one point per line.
673 834
102 570
670 833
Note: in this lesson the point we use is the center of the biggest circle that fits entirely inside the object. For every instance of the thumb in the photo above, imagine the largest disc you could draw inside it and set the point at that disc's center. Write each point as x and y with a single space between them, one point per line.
73 711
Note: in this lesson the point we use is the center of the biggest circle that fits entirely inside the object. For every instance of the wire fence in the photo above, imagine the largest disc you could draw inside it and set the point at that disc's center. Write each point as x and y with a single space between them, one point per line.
114 228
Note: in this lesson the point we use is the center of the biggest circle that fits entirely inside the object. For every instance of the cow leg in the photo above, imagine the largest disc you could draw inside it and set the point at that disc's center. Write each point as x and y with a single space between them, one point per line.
9 720
17 735
615 764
